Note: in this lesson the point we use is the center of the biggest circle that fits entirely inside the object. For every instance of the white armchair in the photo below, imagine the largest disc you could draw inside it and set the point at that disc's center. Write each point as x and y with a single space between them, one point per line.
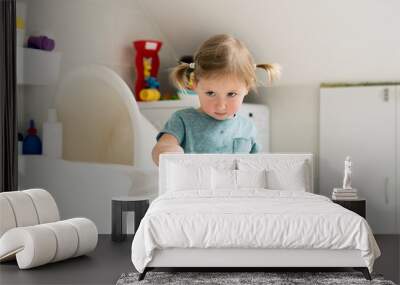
31 230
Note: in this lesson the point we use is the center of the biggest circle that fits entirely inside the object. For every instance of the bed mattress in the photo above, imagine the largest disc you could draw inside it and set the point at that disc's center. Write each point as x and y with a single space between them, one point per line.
250 219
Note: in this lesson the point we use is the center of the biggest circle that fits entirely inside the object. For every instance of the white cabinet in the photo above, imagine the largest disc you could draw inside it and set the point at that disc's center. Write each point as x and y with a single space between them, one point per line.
158 112
363 122
259 114
398 162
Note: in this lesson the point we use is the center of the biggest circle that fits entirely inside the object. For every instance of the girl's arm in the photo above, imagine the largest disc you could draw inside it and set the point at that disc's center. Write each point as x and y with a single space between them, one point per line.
166 143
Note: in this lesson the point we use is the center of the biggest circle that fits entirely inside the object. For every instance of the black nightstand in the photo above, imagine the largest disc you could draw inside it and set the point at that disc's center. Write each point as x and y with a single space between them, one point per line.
358 206
137 204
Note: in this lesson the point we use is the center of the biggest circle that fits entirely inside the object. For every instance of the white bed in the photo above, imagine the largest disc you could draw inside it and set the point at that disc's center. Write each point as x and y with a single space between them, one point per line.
220 211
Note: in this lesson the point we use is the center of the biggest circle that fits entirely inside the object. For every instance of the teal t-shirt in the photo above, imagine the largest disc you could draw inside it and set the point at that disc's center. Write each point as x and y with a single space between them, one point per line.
198 132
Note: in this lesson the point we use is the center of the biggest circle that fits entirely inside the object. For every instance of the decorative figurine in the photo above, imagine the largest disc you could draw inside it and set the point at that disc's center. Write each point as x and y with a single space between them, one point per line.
347 173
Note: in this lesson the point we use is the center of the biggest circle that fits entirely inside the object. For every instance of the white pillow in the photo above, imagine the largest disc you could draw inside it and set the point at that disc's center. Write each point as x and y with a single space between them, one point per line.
293 178
181 177
223 179
236 179
251 178
282 174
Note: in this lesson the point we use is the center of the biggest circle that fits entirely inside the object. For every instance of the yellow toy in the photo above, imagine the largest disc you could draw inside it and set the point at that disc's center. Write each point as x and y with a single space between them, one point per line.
149 94
20 23
146 67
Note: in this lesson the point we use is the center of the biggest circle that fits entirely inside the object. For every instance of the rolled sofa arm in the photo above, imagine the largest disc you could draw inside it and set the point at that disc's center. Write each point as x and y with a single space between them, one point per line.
40 244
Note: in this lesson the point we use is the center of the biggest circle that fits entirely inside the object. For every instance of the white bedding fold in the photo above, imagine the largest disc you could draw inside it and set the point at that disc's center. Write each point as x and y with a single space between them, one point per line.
252 218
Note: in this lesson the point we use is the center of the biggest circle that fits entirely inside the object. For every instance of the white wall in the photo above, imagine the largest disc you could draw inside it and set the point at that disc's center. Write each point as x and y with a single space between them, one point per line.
89 32
314 41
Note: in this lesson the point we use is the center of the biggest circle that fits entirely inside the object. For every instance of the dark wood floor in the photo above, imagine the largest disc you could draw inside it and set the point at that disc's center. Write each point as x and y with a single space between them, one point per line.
110 260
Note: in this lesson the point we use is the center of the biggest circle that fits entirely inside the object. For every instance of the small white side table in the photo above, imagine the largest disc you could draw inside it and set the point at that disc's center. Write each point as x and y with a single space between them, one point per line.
138 203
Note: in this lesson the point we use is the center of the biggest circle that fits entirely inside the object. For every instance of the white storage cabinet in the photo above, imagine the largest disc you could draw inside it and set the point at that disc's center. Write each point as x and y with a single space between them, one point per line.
363 122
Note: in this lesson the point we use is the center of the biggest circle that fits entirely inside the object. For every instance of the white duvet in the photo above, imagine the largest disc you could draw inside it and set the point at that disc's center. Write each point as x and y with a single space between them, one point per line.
251 218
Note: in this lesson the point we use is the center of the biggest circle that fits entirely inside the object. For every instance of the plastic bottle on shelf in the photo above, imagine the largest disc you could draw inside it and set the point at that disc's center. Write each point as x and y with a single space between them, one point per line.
52 136
32 143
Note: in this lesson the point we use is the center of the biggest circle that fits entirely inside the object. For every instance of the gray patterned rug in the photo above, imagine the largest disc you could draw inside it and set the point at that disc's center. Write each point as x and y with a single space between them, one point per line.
230 278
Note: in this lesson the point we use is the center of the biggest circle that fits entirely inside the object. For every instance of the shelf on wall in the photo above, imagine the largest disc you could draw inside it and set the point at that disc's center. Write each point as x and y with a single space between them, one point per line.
37 67
187 102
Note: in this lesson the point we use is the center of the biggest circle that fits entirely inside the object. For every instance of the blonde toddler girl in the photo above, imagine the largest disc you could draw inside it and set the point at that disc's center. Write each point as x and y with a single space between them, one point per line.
222 73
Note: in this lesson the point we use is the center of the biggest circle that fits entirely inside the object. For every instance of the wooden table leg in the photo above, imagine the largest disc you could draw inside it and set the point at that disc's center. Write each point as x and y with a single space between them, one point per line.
117 221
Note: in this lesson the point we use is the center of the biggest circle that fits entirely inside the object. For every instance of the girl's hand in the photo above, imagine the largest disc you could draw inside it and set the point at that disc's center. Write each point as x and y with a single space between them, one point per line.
171 149
166 144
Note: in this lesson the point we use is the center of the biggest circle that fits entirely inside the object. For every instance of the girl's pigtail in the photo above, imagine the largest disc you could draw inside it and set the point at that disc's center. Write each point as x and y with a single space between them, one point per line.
180 75
273 71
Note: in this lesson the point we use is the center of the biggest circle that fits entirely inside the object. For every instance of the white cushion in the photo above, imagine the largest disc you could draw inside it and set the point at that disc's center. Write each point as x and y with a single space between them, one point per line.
27 208
87 233
67 239
226 179
281 174
45 205
190 160
293 178
33 244
251 178
7 215
40 244
23 208
181 177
